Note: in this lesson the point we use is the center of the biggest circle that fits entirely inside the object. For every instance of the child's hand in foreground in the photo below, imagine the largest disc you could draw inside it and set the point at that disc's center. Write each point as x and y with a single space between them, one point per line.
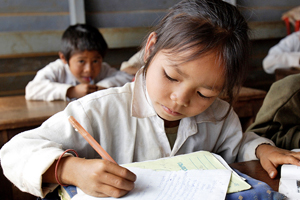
81 90
271 157
96 177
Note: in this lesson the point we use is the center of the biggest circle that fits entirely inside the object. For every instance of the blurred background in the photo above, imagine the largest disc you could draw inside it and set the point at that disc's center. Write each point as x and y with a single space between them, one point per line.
30 32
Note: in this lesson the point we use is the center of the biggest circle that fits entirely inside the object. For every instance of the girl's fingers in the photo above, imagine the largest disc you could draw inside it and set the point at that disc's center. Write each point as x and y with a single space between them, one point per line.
110 191
117 170
116 181
269 168
103 190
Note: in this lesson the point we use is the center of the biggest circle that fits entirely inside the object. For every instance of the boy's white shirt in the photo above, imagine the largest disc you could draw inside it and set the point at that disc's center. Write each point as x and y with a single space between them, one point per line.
124 122
53 81
285 54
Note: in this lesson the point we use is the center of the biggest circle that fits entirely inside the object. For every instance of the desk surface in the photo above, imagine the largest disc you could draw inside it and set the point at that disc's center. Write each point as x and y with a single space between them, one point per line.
16 112
254 169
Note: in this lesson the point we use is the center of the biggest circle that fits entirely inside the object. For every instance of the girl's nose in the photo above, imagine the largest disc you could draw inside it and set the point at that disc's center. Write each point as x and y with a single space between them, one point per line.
181 98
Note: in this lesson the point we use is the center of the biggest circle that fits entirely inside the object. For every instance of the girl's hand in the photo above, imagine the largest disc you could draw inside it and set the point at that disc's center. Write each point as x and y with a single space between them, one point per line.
271 157
81 90
99 178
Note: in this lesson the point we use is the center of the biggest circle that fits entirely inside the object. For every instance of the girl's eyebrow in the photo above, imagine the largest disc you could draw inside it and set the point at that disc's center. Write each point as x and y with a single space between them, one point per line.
176 67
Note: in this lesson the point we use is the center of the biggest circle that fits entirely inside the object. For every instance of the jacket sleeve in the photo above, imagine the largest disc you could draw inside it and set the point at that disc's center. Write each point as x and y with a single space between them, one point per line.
279 118
111 77
48 84
28 155
285 54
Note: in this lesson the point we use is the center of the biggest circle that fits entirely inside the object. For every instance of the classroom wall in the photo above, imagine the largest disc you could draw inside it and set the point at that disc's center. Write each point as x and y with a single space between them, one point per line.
30 32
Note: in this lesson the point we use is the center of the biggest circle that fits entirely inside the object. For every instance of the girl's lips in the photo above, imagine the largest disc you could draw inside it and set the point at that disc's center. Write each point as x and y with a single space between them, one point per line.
170 111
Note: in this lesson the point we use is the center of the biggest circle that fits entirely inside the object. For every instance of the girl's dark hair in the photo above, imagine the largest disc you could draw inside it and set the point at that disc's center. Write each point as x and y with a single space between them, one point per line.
206 26
82 37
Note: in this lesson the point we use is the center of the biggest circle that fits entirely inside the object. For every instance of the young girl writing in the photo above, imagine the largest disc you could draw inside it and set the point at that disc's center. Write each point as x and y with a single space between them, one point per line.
198 51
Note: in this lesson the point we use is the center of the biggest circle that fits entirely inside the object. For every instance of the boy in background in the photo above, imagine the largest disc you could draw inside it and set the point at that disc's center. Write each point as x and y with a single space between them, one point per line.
80 69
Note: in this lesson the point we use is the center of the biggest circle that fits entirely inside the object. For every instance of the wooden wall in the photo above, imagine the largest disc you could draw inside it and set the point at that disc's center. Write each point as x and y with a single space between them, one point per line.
30 33
264 18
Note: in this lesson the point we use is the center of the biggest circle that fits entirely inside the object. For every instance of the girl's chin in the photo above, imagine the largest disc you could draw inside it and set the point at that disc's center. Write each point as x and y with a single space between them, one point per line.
169 119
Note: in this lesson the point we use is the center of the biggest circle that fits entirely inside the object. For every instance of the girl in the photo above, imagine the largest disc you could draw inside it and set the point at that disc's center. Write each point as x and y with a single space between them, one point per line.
198 51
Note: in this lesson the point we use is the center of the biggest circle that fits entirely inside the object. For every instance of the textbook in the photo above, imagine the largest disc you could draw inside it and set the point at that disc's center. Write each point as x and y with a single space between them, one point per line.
289 183
197 161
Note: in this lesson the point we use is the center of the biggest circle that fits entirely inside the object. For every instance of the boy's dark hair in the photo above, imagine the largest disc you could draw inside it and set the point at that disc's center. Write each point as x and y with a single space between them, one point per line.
206 26
82 37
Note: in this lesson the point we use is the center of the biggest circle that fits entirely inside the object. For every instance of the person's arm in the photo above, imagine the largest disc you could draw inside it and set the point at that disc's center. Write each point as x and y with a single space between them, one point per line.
81 90
133 64
285 54
271 157
48 84
29 158
111 77
99 178
278 117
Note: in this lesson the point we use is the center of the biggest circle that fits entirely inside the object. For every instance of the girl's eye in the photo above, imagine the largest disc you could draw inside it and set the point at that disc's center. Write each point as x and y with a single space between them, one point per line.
95 61
202 96
81 61
168 77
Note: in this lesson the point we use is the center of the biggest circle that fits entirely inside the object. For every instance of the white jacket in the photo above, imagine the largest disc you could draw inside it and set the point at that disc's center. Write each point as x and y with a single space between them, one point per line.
126 125
285 54
53 81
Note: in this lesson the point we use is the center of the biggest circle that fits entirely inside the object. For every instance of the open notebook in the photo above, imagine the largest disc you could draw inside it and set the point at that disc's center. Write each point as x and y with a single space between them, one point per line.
193 164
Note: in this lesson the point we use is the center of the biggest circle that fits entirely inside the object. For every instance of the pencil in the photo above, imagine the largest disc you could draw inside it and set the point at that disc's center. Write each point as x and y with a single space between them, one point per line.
90 140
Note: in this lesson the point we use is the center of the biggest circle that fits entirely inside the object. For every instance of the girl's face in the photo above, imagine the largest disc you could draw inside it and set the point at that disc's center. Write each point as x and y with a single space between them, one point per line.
85 66
178 90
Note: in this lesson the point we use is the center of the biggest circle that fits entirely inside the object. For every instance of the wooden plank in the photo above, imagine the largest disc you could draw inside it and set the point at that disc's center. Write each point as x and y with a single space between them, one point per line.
272 3
125 19
23 6
16 112
128 5
12 93
267 30
22 43
30 63
15 82
38 22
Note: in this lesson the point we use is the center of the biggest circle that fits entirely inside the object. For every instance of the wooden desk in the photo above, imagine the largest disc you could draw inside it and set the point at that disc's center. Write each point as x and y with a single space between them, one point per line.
255 170
280 73
17 115
248 104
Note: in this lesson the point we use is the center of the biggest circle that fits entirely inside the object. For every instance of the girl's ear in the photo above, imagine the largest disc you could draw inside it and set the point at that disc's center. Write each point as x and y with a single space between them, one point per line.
62 57
149 45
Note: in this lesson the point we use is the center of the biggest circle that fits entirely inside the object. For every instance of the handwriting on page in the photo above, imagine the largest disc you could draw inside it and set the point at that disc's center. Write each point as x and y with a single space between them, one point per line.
165 185
201 160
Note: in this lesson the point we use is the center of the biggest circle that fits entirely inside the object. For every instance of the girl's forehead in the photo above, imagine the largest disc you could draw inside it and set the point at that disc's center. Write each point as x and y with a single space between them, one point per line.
203 70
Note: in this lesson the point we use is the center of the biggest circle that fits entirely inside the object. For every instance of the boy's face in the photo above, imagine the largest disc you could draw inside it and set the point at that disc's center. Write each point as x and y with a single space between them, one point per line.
86 65
178 90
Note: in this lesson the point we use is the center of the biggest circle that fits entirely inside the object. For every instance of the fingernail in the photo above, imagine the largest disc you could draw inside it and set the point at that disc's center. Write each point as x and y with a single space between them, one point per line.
272 174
